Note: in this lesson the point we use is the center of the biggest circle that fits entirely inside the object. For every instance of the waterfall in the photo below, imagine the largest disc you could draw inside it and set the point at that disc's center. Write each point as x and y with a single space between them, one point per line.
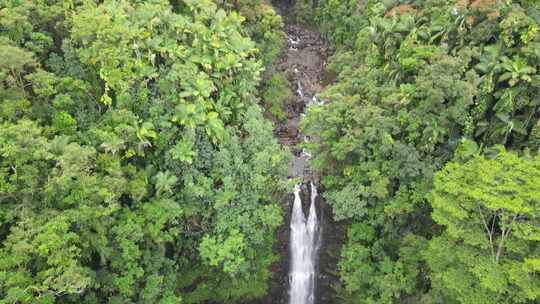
304 246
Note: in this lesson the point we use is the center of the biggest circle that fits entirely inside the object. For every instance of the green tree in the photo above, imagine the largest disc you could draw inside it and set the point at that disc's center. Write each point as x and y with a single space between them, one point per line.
490 210
131 149
415 79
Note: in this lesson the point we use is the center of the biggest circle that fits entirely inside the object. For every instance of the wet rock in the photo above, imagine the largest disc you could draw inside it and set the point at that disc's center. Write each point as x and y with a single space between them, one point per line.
303 61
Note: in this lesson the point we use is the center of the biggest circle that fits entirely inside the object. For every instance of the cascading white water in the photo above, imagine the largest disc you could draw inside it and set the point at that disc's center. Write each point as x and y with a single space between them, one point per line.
304 246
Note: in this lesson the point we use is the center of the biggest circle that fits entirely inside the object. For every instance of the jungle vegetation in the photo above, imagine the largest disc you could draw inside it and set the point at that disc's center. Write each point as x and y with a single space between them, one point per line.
429 147
134 160
136 165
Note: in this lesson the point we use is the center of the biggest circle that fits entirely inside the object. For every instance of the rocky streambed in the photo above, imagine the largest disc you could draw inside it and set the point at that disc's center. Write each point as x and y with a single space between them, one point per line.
303 61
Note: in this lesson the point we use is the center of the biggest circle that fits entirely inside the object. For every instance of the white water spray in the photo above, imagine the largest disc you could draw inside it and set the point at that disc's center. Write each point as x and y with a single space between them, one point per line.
304 247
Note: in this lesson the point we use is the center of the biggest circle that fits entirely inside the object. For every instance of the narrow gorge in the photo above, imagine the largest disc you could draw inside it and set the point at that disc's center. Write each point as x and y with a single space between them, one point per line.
303 246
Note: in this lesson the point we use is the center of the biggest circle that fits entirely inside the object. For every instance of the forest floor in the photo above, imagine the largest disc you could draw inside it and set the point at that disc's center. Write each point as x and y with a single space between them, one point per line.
303 61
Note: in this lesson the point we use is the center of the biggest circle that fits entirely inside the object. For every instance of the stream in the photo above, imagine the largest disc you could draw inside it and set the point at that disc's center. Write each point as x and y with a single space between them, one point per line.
304 244
305 271
304 63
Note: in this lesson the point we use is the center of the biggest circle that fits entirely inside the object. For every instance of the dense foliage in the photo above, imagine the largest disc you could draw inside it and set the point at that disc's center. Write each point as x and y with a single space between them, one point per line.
423 83
135 164
495 197
277 93
262 24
